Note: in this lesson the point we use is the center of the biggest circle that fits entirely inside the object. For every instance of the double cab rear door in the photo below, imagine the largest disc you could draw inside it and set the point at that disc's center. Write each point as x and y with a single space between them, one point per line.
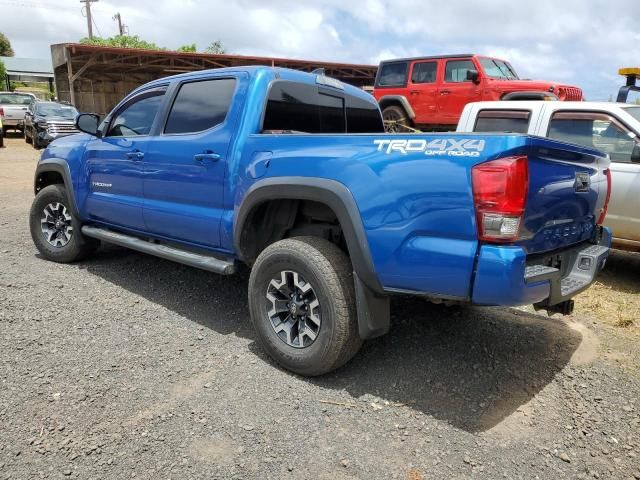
160 165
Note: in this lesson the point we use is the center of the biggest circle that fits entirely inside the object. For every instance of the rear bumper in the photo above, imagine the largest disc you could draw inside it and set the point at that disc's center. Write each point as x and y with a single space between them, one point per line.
12 122
507 276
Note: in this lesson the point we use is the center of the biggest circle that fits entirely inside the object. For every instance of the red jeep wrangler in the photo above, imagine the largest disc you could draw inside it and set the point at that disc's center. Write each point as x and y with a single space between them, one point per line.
430 92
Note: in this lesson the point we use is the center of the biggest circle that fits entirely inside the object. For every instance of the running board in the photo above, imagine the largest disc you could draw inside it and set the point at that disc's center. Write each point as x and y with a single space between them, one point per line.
197 260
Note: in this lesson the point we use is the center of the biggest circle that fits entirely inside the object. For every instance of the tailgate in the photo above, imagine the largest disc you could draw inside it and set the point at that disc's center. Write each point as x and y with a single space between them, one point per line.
567 192
14 112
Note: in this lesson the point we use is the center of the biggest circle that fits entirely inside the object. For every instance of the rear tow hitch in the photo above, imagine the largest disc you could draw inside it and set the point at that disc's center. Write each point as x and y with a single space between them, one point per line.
563 308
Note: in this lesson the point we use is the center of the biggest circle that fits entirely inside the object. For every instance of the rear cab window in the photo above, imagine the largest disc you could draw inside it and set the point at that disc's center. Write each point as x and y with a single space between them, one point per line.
392 74
516 121
598 130
300 108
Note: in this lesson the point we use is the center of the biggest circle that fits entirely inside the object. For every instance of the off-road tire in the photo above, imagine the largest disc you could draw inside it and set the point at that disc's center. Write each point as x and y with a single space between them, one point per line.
395 113
78 246
329 271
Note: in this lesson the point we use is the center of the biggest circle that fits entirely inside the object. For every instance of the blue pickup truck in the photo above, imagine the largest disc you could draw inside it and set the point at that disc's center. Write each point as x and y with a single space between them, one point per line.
290 174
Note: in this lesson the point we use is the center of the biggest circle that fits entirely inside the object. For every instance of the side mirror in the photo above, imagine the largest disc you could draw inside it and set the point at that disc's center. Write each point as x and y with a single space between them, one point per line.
635 154
473 76
88 123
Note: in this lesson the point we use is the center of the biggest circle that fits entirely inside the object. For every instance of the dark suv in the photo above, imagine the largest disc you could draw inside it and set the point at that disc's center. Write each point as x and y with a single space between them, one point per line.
46 121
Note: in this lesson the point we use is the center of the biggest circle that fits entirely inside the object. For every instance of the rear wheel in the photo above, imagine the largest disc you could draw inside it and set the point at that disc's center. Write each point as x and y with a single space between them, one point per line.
54 228
395 119
302 303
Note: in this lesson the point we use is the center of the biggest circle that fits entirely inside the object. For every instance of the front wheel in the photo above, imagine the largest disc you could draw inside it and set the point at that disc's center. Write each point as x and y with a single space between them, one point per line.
302 303
54 228
27 138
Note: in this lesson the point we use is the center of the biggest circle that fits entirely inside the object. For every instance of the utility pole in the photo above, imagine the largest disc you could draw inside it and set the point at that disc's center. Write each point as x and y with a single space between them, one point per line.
87 4
120 25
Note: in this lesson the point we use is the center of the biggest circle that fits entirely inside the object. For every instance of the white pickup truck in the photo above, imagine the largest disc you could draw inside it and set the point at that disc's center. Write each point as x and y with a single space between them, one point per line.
613 128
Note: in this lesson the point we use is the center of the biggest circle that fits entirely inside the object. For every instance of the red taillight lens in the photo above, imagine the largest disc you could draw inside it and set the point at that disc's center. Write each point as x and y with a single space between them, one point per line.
500 190
1 112
603 212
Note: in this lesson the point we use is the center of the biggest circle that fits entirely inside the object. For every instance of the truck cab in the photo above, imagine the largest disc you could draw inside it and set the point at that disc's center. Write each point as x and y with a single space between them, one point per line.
430 93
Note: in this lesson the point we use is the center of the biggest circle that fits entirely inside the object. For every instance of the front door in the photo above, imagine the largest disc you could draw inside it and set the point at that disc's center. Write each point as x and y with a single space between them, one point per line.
114 164
184 167
456 91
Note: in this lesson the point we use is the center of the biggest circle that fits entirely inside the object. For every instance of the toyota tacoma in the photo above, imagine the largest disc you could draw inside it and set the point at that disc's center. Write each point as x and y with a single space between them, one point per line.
290 173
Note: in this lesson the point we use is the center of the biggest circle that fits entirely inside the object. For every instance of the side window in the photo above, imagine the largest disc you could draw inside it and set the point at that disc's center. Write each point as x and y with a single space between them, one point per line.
392 74
456 70
516 121
200 105
424 72
137 117
304 108
594 130
363 116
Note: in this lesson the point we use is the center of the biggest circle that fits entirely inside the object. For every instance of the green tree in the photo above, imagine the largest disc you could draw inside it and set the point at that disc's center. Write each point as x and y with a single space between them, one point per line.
122 41
187 48
216 47
5 46
3 76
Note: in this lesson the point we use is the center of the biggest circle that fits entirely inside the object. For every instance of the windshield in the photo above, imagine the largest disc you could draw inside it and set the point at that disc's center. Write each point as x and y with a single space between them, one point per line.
56 110
15 99
634 112
498 69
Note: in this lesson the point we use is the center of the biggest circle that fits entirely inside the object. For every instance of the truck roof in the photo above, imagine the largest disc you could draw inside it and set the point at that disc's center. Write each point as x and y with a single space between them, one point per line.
432 57
530 104
275 72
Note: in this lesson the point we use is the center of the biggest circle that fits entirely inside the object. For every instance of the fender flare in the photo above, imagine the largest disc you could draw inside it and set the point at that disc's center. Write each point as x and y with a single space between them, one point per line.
61 167
528 95
401 99
371 302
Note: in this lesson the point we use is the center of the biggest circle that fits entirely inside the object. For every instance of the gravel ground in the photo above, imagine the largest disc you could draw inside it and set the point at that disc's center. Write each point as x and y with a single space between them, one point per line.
130 366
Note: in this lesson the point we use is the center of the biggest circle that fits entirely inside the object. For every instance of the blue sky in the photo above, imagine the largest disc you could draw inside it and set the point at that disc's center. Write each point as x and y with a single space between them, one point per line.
577 42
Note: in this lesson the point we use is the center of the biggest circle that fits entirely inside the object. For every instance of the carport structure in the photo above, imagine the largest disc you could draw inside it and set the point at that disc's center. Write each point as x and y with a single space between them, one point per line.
94 78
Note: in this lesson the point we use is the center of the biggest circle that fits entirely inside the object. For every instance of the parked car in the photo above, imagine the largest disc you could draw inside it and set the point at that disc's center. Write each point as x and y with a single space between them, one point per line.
613 128
291 174
429 93
13 106
46 121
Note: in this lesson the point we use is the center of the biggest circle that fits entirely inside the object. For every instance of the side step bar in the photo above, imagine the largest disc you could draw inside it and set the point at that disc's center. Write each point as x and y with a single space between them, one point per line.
197 260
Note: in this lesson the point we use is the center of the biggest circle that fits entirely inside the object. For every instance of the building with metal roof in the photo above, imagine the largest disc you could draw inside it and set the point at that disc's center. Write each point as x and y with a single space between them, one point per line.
95 78
27 70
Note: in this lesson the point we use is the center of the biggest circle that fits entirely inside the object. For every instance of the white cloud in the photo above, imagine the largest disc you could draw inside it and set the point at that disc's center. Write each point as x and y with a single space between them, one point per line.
577 42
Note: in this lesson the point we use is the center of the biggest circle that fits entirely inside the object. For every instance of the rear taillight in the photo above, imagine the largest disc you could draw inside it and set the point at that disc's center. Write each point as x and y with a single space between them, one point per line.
1 112
603 212
500 193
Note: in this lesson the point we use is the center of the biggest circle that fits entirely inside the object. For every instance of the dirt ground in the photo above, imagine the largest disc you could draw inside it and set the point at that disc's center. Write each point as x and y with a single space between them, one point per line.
128 366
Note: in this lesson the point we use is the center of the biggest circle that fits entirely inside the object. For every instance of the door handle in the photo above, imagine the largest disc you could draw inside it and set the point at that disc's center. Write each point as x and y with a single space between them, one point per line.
415 92
445 92
208 155
135 155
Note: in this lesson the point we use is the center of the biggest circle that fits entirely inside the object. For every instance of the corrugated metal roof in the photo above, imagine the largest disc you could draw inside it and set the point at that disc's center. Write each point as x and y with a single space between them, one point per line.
28 66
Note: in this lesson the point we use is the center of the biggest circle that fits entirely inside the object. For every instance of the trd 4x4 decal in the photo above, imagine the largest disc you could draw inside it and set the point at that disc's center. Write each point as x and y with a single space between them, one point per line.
441 146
